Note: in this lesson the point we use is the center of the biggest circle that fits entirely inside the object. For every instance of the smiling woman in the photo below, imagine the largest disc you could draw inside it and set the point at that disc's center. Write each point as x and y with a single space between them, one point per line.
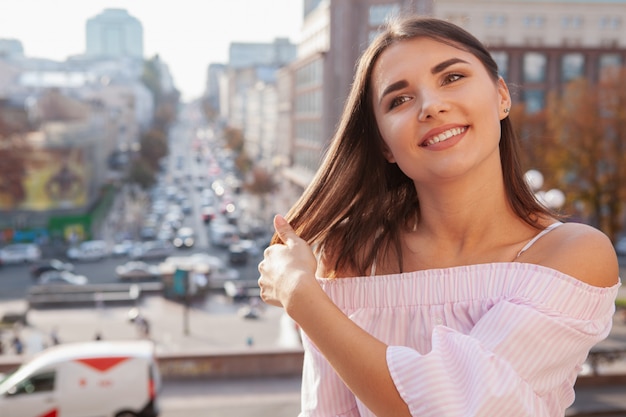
442 287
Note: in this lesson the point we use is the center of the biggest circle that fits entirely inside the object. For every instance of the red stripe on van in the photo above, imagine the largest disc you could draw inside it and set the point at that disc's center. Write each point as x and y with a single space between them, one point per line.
52 413
102 364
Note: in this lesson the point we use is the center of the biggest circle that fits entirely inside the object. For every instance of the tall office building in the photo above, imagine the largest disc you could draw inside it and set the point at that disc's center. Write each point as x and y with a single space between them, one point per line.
114 34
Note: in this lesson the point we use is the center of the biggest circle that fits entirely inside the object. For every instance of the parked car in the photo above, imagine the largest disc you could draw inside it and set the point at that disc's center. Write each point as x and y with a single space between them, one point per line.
137 270
62 277
50 265
16 253
153 249
89 250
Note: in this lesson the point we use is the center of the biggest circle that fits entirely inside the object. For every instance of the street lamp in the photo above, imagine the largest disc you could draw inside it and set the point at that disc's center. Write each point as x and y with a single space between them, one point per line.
553 198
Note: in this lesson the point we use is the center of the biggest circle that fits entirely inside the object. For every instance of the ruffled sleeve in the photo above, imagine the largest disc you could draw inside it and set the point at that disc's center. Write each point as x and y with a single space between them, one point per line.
516 360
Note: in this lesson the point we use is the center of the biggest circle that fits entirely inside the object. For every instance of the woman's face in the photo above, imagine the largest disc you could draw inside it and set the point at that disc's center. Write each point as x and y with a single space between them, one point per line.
437 109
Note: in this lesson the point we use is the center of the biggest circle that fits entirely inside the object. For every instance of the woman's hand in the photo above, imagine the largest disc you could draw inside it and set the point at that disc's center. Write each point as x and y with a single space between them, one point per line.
286 268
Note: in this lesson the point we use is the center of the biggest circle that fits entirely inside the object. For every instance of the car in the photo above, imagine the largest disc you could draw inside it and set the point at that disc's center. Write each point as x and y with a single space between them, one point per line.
50 265
237 254
212 266
62 277
89 250
152 249
137 270
16 253
122 248
208 214
185 238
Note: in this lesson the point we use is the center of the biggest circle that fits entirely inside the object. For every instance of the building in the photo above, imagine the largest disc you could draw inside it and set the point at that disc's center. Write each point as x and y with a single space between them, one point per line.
246 54
11 48
248 95
212 89
541 48
114 33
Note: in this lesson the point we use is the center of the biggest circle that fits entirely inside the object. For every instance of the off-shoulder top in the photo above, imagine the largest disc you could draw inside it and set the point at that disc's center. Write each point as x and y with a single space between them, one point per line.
497 339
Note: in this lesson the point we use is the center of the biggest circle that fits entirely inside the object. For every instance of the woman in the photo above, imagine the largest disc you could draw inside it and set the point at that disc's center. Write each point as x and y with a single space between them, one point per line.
438 285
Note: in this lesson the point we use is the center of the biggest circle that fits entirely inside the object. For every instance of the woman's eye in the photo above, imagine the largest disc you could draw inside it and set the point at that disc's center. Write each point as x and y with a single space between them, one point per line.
450 78
397 101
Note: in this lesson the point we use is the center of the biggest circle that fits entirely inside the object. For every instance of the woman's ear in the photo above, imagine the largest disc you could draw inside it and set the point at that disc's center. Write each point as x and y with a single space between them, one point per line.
505 98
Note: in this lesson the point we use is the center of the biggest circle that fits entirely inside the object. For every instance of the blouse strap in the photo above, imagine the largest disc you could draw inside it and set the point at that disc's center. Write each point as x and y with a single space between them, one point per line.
540 234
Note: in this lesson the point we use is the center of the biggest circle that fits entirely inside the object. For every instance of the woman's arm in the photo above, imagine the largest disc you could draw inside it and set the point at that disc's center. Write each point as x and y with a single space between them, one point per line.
288 280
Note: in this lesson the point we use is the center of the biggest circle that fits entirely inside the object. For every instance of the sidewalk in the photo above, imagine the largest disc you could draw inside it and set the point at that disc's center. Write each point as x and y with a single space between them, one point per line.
217 327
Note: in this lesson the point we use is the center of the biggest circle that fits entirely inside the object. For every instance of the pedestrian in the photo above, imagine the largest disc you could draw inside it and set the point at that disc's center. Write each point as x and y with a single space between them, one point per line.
18 345
424 274
54 337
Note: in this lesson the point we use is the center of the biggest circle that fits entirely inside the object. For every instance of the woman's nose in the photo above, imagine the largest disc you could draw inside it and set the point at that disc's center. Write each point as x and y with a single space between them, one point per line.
432 105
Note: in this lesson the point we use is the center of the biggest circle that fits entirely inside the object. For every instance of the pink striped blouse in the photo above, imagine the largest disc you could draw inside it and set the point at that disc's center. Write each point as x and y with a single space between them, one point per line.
499 339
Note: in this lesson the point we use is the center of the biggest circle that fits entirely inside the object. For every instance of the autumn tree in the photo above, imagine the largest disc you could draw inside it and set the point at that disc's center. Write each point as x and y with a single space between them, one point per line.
234 139
588 124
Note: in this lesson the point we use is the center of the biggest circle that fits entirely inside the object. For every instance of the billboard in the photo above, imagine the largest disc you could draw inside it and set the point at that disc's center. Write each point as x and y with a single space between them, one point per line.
55 179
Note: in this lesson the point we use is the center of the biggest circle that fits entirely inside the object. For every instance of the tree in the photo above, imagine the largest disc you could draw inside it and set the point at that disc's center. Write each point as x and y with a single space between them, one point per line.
153 147
588 123
141 173
14 152
261 182
234 139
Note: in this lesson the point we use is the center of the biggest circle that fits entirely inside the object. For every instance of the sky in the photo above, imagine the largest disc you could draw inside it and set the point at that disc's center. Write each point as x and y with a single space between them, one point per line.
188 35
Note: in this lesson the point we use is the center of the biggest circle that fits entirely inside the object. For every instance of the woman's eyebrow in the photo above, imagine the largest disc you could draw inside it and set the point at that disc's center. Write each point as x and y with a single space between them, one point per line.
445 64
398 85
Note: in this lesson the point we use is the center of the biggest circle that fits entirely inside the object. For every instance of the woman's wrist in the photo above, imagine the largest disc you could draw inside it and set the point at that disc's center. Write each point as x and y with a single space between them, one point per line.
302 296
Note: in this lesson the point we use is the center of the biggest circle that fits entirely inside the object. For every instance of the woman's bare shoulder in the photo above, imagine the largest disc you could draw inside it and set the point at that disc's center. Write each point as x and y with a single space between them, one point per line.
580 251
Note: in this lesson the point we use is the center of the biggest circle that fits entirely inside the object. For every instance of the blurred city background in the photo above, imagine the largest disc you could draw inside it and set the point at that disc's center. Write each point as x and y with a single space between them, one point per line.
136 201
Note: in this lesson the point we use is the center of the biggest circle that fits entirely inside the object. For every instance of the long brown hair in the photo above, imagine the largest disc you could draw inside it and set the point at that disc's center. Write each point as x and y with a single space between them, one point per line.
358 204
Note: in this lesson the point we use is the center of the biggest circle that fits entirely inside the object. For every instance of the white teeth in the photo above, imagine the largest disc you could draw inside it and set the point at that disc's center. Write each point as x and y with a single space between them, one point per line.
445 135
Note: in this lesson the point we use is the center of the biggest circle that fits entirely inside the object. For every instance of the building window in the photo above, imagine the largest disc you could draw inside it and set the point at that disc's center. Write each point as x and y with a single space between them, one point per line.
534 101
535 67
572 66
534 22
609 66
493 20
610 22
310 75
571 22
502 59
379 13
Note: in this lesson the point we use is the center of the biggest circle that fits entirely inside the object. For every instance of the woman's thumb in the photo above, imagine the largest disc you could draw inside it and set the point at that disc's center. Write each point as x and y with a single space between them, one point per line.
284 230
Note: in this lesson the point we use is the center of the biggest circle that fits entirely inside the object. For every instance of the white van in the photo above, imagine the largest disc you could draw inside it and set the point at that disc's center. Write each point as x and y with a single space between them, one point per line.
100 378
